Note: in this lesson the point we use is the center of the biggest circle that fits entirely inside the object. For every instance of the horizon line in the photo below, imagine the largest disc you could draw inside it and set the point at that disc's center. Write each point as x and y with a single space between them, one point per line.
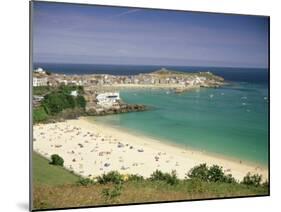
118 64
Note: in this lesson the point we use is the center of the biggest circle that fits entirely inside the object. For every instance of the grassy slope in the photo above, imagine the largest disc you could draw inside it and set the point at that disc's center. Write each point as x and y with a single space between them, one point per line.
136 192
55 187
44 173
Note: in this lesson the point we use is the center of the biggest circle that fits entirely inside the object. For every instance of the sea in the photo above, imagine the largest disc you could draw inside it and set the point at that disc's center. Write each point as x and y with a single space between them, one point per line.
230 121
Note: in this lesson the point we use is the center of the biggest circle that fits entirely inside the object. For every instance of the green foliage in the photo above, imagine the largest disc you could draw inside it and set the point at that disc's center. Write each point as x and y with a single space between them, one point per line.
71 103
112 193
41 90
39 114
85 181
81 102
265 184
55 102
61 99
59 103
166 177
110 177
56 160
252 180
229 179
199 172
212 174
215 174
135 177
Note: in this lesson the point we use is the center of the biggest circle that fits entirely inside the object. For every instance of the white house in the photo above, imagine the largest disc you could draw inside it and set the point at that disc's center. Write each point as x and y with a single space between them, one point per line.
40 71
108 99
74 93
42 81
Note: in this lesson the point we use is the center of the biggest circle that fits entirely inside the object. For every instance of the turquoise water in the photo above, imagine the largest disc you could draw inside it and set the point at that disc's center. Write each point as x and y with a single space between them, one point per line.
231 121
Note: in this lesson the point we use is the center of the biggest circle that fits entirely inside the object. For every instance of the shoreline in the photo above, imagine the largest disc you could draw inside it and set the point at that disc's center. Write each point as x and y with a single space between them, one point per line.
181 146
91 149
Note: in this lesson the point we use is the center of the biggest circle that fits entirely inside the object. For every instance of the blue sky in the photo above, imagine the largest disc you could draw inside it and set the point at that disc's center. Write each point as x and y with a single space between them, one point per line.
68 33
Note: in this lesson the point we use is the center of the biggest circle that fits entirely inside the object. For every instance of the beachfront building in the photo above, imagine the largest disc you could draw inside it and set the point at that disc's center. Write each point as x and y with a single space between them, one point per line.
108 99
40 81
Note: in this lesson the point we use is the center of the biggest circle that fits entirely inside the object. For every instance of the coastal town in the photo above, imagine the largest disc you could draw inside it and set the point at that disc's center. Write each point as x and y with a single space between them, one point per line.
102 91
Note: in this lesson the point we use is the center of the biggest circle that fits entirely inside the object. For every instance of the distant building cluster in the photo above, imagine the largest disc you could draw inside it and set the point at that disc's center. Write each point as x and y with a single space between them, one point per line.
40 78
97 86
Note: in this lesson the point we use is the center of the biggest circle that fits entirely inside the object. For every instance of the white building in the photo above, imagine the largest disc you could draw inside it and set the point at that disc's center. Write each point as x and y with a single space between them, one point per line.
40 71
42 81
74 93
108 99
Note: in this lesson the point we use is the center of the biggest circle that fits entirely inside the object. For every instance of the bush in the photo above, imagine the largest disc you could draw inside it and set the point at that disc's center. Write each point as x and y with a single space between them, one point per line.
85 181
81 102
168 178
135 177
39 114
212 174
199 172
252 180
229 179
56 160
265 184
110 177
110 194
215 174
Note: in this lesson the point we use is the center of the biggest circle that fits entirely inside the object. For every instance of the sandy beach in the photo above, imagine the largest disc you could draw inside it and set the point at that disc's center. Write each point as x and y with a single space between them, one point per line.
91 149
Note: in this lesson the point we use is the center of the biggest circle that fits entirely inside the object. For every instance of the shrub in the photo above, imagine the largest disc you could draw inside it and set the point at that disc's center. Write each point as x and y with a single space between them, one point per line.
168 178
199 172
110 177
81 102
229 179
265 184
135 177
252 180
56 160
215 174
212 174
157 175
85 181
172 178
39 114
110 194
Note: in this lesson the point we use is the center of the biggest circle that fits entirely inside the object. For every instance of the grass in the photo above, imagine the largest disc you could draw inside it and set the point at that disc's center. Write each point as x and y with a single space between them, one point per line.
55 187
47 174
136 192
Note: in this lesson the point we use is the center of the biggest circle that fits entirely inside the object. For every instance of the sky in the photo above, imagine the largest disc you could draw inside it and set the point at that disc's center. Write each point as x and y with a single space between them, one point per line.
88 34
